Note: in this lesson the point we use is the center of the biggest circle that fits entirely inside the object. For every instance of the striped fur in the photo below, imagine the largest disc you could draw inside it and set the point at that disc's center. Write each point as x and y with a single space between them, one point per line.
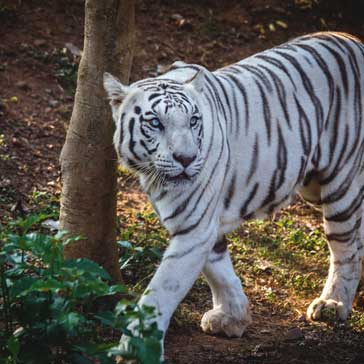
285 121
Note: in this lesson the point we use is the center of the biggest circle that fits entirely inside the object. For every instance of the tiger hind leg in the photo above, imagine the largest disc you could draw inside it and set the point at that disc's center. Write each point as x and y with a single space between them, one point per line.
343 222
231 313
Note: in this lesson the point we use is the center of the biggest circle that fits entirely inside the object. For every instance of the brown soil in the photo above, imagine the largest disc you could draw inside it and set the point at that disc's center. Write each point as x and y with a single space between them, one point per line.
35 106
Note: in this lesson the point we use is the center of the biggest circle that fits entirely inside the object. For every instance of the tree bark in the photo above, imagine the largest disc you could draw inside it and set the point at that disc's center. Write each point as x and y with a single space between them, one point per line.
88 160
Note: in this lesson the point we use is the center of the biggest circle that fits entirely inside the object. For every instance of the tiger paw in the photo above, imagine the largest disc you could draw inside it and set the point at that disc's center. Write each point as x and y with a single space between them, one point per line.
321 309
218 322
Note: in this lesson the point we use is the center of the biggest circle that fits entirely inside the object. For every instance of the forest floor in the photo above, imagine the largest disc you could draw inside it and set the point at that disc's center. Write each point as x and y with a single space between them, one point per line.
282 262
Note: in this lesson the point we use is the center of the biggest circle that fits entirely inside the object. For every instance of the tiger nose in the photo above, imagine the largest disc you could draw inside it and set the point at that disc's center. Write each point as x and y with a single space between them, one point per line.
184 159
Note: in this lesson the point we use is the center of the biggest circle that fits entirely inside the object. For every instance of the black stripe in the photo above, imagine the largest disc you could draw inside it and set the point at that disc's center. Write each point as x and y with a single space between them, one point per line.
341 64
155 103
323 66
149 151
281 158
121 139
194 225
347 213
309 89
266 113
220 246
271 194
337 113
277 63
244 95
255 159
281 92
305 128
337 167
344 236
235 102
253 192
230 192
132 142
258 73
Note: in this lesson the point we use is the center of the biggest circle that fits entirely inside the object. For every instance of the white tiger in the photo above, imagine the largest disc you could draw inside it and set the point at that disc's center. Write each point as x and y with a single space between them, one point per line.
213 149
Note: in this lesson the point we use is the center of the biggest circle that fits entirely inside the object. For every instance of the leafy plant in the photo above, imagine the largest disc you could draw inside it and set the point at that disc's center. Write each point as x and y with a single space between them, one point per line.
132 253
142 240
46 203
53 310
66 70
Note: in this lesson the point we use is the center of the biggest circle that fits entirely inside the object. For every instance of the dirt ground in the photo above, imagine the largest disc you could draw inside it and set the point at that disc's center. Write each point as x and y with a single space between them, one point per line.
36 98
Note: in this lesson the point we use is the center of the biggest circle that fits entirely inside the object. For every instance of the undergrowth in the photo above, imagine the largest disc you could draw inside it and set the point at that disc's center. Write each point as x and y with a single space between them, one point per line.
60 311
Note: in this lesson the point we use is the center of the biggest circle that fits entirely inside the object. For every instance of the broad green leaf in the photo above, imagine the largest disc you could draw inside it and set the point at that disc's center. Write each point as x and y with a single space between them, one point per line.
87 266
13 346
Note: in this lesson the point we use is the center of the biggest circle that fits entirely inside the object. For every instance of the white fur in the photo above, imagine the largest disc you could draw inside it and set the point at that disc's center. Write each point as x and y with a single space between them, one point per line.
269 123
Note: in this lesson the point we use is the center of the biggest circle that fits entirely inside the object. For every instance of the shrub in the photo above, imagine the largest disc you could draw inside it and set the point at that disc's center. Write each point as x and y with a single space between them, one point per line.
54 310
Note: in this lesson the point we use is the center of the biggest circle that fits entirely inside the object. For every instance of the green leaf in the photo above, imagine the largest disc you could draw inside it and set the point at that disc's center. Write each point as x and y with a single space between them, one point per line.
148 350
78 358
87 266
124 244
21 286
46 285
71 321
117 288
107 318
13 346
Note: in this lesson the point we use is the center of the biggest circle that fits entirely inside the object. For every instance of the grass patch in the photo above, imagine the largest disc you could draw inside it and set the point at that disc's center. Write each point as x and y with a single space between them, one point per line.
293 256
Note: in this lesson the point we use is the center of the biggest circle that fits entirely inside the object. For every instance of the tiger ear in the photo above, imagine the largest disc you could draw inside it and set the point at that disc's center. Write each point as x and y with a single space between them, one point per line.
116 91
197 81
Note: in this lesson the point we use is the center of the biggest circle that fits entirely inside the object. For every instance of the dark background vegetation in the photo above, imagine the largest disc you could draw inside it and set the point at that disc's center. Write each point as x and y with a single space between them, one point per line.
283 262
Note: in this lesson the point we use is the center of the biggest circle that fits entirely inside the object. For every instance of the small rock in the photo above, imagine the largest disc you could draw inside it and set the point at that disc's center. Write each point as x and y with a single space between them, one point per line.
259 349
23 85
39 42
51 224
176 17
60 89
265 331
53 103
19 208
5 182
265 266
184 24
294 334
16 142
75 51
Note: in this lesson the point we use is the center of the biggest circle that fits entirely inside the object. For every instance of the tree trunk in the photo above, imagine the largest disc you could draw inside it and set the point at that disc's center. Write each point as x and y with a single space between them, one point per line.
88 160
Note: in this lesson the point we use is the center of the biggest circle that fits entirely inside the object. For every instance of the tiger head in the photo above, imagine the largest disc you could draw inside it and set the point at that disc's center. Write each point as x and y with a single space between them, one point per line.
159 129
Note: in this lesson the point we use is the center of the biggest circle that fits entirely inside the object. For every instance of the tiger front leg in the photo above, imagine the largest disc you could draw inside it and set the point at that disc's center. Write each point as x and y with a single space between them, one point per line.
231 313
342 226
181 264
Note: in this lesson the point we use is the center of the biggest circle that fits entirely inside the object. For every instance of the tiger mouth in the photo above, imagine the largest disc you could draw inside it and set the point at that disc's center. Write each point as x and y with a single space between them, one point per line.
182 177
